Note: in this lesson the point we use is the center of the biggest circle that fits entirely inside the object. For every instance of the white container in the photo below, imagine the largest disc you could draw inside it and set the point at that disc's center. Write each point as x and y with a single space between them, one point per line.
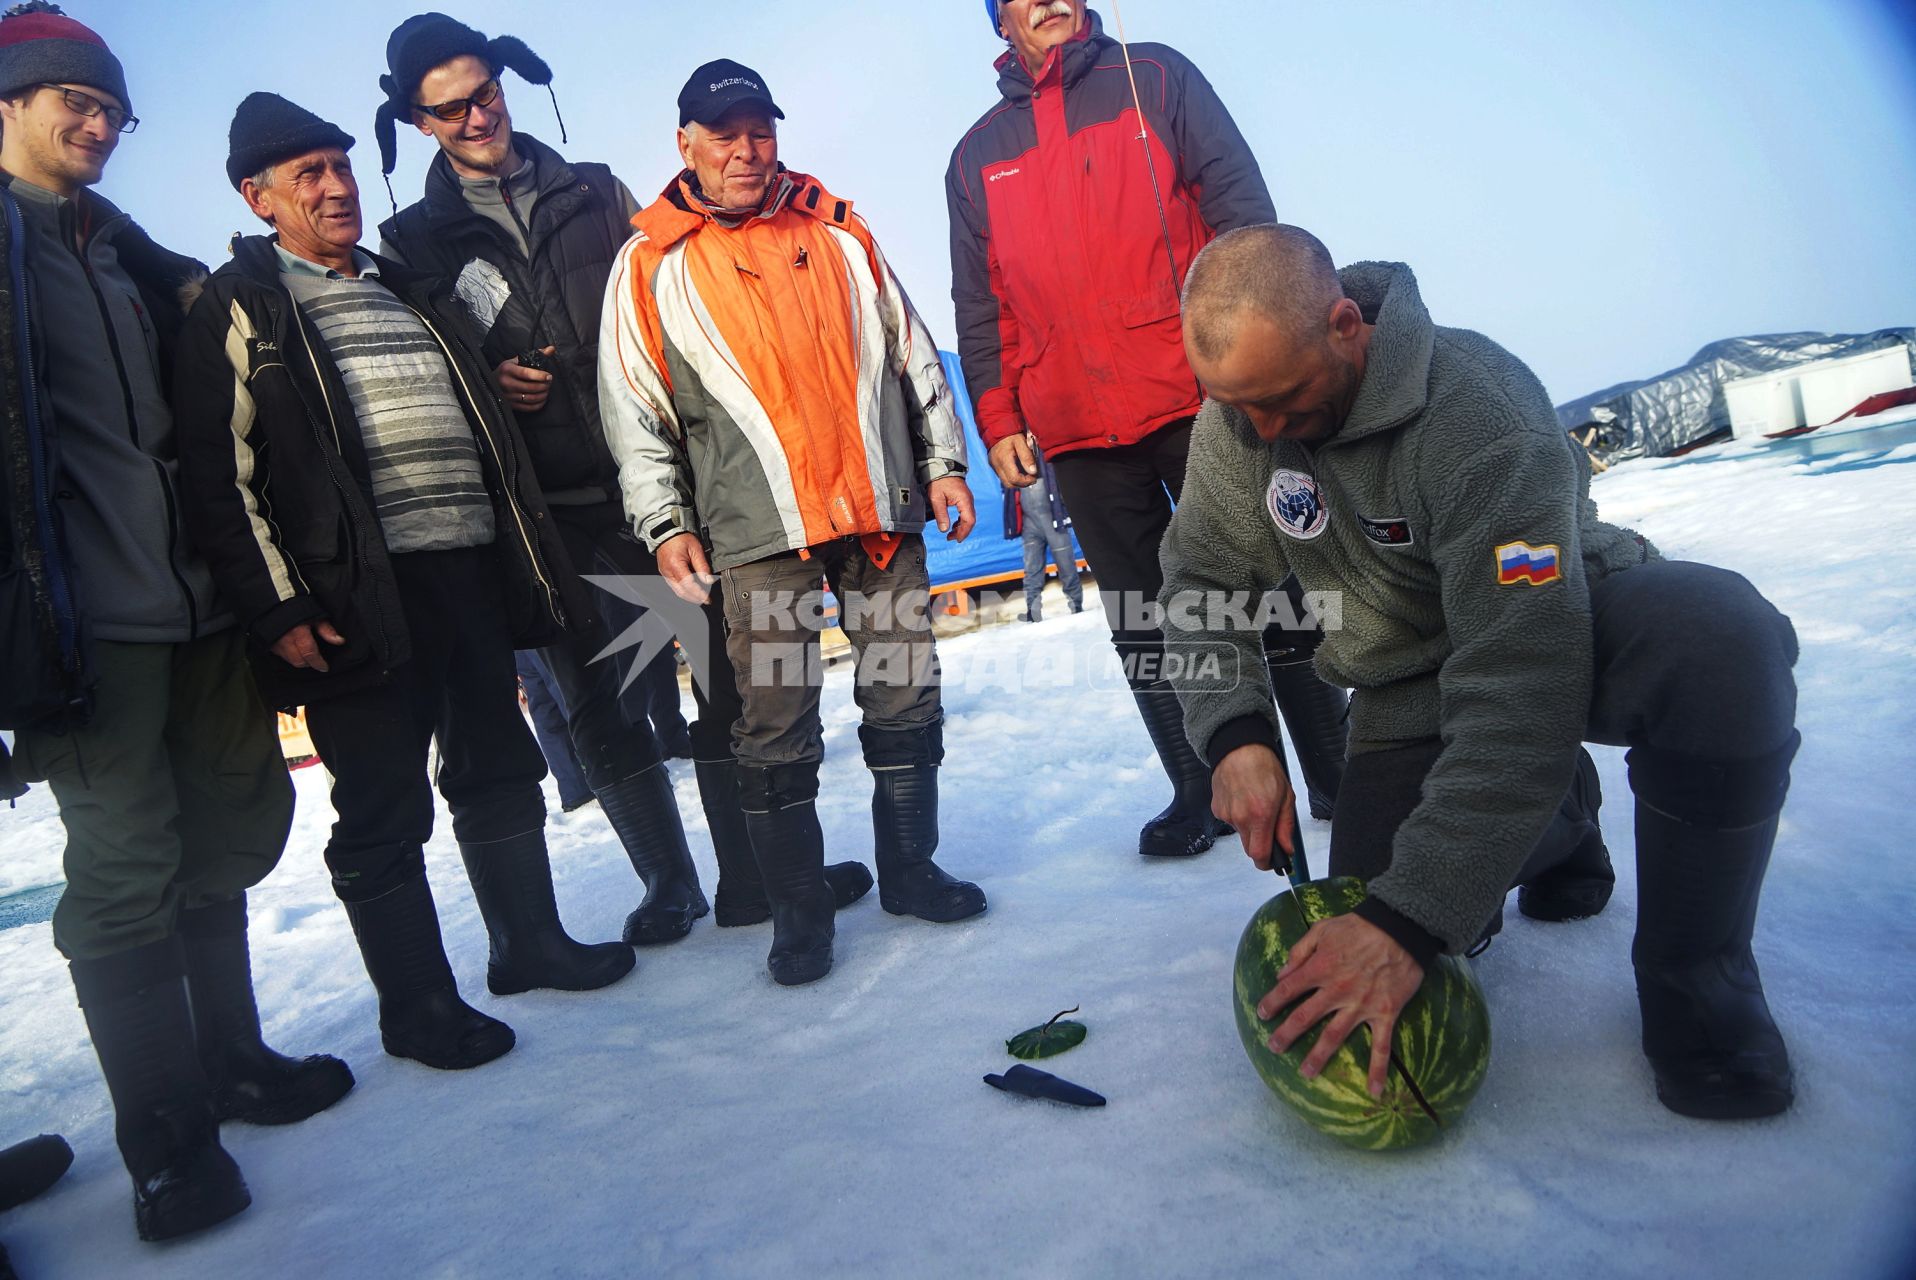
1813 394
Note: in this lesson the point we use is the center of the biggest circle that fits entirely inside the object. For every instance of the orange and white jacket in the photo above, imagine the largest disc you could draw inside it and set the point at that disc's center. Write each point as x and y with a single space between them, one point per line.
767 382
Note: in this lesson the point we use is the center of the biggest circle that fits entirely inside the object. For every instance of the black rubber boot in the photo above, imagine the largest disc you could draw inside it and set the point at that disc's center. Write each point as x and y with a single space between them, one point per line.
781 814
1187 826
142 1028
512 883
1569 876
645 817
28 1168
250 1082
1317 716
420 1013
740 898
904 836
1707 1028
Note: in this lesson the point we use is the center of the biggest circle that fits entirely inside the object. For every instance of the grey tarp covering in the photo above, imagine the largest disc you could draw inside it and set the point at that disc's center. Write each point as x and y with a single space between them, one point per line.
1670 412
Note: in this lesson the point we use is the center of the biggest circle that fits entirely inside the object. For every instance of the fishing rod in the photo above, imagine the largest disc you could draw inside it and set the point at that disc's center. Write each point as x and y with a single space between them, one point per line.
1150 161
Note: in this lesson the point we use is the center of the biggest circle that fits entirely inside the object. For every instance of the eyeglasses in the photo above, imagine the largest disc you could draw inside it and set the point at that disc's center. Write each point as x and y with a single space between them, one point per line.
459 108
85 104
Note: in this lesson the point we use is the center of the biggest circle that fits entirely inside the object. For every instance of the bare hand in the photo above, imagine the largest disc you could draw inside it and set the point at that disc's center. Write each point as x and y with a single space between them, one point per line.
682 563
1015 461
299 648
1357 976
945 493
1249 791
525 389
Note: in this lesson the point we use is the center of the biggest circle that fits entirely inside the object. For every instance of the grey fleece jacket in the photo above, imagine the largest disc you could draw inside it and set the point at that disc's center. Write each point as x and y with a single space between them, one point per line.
1419 516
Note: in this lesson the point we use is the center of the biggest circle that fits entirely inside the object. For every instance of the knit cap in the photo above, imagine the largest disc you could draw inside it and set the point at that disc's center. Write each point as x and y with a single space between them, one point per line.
268 129
41 45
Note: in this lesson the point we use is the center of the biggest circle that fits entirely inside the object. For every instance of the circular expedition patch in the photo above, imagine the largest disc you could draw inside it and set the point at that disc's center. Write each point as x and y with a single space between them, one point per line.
1297 504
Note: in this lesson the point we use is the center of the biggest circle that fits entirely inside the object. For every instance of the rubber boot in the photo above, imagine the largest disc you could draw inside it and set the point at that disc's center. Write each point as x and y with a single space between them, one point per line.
420 1013
512 883
1187 826
781 814
740 898
249 1081
1569 876
904 836
1317 716
28 1168
1707 1028
142 1028
645 817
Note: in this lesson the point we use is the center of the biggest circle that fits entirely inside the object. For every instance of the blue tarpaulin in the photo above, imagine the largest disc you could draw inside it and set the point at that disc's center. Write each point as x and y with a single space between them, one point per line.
987 551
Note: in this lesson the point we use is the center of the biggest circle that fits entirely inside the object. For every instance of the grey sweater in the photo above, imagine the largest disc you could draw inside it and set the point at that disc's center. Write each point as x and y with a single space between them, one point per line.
1449 521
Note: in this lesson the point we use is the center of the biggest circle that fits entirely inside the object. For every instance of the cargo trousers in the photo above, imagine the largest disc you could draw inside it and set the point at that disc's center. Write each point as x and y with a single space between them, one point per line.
773 617
174 794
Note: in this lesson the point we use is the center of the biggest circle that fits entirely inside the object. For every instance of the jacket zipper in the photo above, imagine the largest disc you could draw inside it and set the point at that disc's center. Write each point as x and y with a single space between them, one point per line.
507 478
345 502
65 616
133 435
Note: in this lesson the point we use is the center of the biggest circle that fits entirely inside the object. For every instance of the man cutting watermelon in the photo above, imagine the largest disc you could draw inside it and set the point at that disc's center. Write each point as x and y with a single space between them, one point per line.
1490 624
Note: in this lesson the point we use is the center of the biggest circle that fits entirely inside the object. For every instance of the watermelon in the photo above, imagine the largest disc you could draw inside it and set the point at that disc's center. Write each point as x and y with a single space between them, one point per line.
1442 1038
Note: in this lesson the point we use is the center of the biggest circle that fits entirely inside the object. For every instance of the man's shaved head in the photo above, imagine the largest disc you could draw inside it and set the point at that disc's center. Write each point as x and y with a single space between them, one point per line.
1279 272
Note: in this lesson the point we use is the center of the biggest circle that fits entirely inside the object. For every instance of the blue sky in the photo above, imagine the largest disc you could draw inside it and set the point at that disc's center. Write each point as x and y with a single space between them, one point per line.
1601 188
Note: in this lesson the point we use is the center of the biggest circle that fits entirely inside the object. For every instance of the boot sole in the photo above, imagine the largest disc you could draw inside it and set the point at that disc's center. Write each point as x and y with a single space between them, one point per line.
1189 849
193 1211
1559 903
801 976
1754 1103
462 1062
952 916
507 983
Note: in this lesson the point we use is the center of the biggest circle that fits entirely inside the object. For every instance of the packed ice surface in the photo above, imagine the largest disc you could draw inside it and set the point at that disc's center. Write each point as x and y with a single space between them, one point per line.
697 1119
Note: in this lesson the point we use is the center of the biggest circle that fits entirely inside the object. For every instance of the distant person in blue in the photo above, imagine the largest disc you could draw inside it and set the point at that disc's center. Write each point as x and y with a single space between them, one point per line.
1037 514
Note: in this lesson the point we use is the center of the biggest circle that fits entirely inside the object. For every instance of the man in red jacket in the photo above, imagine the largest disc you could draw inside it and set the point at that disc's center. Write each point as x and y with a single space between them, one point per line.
1071 229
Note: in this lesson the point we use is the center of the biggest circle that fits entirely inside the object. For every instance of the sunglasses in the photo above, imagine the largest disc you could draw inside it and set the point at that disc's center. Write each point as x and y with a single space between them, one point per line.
85 104
459 108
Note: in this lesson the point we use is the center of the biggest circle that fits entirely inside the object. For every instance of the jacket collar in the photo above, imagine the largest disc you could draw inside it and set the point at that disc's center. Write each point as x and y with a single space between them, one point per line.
1396 383
446 201
1070 60
679 212
257 259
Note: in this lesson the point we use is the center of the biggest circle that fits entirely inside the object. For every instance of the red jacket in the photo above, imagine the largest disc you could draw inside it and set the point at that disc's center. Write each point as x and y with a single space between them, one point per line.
1067 305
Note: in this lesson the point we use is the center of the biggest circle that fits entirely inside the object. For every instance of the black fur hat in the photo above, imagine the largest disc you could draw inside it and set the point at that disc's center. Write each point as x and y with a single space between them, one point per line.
423 42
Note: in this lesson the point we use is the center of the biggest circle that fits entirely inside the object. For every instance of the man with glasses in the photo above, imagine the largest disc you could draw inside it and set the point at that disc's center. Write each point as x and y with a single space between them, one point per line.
120 668
528 238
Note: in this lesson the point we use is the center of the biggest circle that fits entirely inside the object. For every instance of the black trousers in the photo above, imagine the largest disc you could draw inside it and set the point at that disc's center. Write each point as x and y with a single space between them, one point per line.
461 686
1120 502
610 746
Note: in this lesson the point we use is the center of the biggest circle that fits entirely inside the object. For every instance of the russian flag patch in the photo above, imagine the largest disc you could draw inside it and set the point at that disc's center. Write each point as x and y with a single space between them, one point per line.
1519 562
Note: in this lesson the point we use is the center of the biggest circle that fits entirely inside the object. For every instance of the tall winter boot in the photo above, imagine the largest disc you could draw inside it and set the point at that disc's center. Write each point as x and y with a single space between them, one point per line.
645 817
1317 716
420 1013
142 1027
512 883
904 836
1707 1028
1187 826
28 1168
1569 876
780 805
249 1081
740 898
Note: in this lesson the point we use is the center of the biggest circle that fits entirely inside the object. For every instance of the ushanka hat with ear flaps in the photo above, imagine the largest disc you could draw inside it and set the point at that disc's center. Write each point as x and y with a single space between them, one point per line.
426 40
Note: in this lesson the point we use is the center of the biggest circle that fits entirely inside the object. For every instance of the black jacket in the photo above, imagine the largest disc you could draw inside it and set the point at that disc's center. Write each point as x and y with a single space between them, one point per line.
579 222
281 502
43 627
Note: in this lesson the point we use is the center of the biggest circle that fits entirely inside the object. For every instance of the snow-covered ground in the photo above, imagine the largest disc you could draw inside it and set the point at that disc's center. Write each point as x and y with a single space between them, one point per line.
696 1119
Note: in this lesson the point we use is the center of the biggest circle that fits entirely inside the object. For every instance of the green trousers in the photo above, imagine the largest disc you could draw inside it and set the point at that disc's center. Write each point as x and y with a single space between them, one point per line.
174 795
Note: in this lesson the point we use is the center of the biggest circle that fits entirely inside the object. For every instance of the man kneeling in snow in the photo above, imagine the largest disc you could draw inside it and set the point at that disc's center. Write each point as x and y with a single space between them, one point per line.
1490 623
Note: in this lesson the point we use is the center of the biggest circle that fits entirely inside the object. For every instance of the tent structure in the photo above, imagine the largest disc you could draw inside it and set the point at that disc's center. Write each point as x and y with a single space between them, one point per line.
1688 405
987 553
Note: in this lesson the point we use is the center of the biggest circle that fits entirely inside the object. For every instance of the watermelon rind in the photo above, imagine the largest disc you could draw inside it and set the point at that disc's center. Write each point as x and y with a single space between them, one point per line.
1442 1037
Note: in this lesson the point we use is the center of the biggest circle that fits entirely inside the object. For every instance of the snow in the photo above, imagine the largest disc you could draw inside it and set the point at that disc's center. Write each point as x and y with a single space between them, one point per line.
695 1119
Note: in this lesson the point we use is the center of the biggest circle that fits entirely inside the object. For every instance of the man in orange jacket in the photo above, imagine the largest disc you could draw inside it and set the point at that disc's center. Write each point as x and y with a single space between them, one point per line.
778 414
